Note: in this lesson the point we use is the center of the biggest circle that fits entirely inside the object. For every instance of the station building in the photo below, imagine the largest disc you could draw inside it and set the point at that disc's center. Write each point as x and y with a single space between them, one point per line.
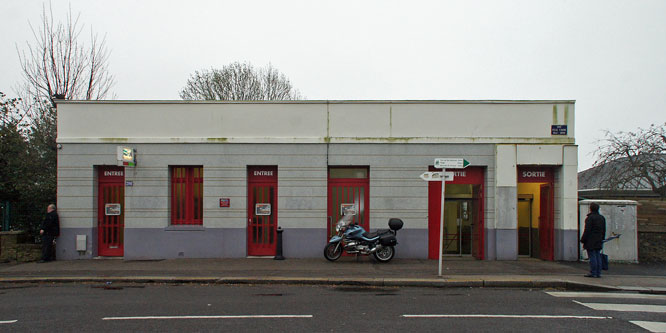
195 179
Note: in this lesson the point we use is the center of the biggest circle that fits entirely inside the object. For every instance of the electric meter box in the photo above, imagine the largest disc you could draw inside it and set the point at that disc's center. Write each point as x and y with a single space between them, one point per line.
621 219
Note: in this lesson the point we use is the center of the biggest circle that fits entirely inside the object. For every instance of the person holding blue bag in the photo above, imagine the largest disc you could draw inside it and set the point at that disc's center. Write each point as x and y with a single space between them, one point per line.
593 239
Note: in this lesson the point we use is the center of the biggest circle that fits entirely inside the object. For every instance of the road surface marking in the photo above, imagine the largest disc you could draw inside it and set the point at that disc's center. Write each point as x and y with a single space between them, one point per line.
652 326
604 295
7 321
207 317
625 307
503 316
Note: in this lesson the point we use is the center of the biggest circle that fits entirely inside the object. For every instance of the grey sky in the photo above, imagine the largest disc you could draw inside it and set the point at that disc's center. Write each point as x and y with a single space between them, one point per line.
609 56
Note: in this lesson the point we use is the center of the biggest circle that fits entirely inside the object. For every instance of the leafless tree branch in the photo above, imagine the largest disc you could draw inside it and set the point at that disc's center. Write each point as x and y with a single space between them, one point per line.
633 160
57 66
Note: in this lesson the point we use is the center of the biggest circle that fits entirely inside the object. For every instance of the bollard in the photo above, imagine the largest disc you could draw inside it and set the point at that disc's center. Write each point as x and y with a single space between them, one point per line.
278 250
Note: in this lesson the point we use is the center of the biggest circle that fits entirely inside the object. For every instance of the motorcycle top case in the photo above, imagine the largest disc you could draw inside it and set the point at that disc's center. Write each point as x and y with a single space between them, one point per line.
388 240
395 224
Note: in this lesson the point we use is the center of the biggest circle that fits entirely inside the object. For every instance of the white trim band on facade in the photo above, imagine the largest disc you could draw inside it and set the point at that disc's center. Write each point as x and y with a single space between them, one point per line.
320 140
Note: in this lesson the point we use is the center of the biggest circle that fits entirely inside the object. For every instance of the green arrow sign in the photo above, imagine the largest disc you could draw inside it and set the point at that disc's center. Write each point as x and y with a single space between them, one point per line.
451 163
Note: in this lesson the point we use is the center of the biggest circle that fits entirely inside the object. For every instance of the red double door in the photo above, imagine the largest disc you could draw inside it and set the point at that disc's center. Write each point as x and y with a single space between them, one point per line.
348 193
110 211
262 211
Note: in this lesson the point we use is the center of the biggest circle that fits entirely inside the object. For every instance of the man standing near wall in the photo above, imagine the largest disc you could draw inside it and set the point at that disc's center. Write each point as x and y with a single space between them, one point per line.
593 238
49 231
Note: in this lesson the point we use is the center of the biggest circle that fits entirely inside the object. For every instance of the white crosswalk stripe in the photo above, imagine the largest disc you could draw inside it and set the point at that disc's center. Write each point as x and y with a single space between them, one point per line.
625 307
569 294
652 326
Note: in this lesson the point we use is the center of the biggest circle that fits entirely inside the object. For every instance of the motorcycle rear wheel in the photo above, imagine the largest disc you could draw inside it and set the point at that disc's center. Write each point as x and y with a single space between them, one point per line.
333 251
385 254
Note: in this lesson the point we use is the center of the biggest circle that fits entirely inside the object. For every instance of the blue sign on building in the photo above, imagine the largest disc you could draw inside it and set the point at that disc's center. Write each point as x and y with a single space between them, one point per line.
558 129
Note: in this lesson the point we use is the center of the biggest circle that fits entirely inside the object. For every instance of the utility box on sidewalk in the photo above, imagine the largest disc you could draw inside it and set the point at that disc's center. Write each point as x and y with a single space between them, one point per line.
621 219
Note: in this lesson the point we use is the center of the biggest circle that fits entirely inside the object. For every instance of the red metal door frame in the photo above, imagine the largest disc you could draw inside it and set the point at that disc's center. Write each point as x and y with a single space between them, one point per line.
110 228
262 229
348 190
546 225
471 176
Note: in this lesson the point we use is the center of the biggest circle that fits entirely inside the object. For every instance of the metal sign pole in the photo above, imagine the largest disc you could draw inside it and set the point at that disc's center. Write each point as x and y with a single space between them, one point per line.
441 224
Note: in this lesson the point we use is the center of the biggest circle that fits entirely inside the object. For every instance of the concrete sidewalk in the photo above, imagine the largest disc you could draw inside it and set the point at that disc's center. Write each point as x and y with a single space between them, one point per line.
456 272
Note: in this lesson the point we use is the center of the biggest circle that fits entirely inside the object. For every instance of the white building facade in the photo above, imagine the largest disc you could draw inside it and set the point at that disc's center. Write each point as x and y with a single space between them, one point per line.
216 179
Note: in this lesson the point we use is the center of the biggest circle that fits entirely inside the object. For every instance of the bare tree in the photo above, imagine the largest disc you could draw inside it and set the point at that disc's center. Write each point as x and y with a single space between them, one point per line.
58 66
239 82
633 160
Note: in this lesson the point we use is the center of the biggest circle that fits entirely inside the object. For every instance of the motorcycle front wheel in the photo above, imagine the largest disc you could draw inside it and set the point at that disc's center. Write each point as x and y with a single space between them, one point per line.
385 254
333 251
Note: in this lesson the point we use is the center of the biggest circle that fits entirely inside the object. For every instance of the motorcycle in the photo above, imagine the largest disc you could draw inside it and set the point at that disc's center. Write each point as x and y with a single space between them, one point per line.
353 239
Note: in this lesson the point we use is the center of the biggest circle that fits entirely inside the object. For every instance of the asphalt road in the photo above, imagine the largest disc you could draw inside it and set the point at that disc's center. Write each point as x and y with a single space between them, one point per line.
281 308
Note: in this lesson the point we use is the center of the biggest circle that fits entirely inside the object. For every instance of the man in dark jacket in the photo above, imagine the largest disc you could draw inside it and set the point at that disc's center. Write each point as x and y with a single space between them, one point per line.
49 231
593 239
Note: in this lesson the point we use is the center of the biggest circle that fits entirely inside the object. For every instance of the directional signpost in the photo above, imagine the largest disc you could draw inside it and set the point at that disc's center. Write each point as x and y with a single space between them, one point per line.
451 163
443 176
432 176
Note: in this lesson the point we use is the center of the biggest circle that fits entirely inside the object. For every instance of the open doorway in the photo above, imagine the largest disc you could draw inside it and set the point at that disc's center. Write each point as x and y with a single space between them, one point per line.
463 233
535 213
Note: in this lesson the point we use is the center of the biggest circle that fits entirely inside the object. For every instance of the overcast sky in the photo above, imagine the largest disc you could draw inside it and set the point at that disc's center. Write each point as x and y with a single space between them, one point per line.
609 56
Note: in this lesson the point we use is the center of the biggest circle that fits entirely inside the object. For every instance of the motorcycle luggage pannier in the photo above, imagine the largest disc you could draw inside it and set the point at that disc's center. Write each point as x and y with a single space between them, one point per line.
388 240
395 224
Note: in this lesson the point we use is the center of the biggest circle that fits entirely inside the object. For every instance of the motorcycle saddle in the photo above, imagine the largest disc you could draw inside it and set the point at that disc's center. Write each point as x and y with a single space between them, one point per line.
370 235
374 234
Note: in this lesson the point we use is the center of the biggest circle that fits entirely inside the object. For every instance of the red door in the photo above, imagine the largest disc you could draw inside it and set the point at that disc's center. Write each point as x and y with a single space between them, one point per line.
348 190
111 211
262 210
546 225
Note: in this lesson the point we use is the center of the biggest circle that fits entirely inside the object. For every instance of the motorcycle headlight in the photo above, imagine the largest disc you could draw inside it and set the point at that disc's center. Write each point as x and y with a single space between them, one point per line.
339 226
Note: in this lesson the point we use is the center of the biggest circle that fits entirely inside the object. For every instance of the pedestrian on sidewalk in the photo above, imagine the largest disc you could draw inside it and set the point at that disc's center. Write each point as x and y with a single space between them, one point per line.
49 231
593 239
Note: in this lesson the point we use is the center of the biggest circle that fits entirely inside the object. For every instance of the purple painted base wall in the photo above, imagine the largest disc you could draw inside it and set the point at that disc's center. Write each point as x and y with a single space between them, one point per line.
310 243
169 244
144 243
566 245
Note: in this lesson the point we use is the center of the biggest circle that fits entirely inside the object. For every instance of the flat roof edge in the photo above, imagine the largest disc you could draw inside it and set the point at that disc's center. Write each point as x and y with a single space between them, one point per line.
319 102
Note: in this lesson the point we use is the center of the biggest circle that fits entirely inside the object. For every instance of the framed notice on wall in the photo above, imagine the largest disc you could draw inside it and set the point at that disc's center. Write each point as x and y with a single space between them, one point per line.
262 209
112 209
347 209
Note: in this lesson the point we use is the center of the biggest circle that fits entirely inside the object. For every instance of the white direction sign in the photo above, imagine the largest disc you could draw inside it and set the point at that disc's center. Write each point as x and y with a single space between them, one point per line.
451 163
437 176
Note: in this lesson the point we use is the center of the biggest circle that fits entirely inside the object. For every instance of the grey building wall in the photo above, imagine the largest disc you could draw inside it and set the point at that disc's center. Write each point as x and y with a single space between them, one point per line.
395 191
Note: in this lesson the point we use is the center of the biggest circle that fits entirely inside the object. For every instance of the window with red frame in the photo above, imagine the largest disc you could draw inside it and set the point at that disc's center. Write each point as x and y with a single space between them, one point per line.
186 195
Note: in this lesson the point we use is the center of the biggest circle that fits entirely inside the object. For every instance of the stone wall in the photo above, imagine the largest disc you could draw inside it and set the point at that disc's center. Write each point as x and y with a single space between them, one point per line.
651 230
14 246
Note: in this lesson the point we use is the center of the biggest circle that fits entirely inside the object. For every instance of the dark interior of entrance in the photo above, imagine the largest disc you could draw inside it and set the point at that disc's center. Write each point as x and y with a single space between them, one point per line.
528 226
535 220
460 219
